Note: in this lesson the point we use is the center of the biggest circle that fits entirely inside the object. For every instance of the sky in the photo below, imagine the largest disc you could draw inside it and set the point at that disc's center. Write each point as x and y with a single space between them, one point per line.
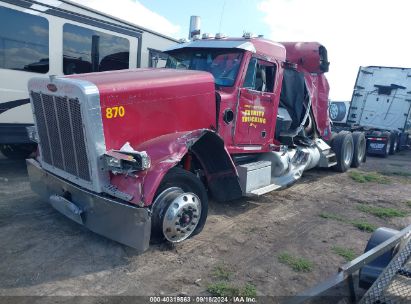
355 32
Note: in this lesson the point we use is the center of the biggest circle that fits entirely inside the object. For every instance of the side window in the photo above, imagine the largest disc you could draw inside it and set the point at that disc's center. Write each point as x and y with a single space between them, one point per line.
86 50
156 59
24 41
260 76
249 81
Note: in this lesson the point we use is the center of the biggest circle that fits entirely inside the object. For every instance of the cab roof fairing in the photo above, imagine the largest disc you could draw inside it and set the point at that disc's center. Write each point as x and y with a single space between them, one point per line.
268 49
223 44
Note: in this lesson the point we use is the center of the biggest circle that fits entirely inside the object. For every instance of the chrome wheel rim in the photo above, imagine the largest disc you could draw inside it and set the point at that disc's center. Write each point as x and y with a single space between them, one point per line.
181 217
349 151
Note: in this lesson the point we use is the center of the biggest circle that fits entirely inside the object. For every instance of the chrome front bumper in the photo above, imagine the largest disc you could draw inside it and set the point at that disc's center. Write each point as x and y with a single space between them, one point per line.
120 222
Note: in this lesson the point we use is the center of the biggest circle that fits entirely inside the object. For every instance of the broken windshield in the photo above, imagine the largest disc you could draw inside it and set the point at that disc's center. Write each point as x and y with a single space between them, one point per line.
222 63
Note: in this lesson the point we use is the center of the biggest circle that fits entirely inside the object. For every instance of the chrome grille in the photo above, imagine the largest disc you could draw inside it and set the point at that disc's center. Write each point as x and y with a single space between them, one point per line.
60 130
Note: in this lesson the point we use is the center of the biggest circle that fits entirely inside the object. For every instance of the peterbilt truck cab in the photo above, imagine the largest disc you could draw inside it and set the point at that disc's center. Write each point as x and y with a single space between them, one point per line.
135 155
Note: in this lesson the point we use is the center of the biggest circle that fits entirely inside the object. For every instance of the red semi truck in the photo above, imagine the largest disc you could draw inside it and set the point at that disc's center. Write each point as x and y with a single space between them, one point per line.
134 154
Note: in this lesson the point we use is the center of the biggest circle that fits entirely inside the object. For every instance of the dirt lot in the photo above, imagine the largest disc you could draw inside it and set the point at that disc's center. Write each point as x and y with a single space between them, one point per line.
43 253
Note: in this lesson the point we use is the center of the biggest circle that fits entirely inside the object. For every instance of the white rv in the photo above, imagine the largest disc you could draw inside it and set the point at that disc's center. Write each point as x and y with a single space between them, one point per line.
58 37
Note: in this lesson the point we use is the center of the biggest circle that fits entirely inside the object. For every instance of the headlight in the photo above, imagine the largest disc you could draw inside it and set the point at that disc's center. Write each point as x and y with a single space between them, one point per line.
113 162
126 162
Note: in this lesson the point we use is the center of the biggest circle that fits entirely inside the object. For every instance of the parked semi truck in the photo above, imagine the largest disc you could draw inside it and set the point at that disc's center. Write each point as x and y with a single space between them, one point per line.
380 106
133 155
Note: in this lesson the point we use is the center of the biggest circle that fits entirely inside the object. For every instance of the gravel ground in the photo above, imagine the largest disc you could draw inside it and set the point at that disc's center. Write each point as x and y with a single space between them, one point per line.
43 253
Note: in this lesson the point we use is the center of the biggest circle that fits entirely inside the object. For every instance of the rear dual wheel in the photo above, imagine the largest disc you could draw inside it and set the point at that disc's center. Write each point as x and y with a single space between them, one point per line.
343 146
394 143
388 144
180 208
360 149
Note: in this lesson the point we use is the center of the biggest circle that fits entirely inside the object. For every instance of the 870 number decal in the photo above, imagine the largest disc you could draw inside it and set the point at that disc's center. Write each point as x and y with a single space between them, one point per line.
114 112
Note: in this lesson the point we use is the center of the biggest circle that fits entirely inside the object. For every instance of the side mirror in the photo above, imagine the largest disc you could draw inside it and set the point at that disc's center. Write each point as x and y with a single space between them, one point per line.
154 61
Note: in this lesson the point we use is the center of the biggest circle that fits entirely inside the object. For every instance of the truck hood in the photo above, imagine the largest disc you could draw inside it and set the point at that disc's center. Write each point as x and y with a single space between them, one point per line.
141 104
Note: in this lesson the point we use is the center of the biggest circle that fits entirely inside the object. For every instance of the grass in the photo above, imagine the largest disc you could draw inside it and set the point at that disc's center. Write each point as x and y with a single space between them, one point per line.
222 272
366 177
396 173
225 289
382 212
364 226
249 290
347 253
296 263
360 224
220 289
408 203
332 216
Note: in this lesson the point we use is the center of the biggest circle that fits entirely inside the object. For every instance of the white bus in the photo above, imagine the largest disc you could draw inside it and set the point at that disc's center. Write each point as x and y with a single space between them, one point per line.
59 37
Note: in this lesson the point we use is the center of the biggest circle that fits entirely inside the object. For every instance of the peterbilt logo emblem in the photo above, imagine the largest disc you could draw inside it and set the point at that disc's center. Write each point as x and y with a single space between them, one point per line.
52 87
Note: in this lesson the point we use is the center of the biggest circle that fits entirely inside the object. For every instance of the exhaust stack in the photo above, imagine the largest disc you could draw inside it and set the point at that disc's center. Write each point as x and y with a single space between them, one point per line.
195 23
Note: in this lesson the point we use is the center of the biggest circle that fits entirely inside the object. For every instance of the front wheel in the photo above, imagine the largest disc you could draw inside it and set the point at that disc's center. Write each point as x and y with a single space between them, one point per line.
18 151
180 208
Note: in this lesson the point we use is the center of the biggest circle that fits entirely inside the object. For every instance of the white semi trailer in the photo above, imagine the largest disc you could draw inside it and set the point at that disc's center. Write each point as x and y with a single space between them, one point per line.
380 106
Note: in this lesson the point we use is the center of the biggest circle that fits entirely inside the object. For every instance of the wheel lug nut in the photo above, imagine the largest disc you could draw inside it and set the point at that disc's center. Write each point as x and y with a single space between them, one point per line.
195 216
189 207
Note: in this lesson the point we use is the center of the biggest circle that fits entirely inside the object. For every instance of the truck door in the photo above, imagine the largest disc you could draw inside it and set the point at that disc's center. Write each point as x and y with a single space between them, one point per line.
255 107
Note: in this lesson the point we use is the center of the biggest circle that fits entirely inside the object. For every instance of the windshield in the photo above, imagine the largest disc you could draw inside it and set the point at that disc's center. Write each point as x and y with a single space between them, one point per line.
222 63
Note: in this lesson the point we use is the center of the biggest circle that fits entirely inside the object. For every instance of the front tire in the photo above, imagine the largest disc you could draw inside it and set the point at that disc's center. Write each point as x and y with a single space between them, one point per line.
343 147
180 207
18 151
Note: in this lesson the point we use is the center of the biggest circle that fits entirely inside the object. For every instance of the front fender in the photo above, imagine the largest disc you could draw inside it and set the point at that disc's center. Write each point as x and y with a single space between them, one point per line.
164 152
